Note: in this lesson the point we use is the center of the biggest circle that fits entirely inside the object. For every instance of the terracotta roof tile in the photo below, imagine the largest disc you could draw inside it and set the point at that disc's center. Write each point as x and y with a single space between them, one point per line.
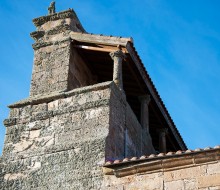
143 157
134 158
125 159
160 155
170 153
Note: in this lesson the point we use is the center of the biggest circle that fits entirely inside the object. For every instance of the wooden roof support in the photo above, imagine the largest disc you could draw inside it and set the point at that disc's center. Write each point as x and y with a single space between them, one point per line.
100 48
136 79
92 38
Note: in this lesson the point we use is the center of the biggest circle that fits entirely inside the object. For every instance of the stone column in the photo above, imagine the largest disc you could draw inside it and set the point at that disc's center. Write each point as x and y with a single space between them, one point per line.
146 141
118 57
162 140
145 100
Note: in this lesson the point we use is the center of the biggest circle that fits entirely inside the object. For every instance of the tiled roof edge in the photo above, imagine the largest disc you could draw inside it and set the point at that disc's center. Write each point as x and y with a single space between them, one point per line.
160 156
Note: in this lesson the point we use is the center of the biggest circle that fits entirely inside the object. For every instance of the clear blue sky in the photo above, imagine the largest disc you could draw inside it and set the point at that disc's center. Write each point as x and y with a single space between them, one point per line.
178 41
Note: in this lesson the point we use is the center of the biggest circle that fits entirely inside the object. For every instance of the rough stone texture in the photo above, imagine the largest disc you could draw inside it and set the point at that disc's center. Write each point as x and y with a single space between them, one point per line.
56 64
51 68
55 144
61 142
124 139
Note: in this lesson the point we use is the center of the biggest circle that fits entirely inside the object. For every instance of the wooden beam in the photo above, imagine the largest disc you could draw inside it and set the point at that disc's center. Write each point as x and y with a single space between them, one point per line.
135 77
92 38
99 48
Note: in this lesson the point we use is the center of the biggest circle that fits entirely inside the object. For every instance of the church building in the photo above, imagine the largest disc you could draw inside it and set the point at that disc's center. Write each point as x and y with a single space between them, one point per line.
94 120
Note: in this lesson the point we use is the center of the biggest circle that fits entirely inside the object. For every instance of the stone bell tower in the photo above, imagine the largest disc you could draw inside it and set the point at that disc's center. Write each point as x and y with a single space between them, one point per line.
54 58
91 101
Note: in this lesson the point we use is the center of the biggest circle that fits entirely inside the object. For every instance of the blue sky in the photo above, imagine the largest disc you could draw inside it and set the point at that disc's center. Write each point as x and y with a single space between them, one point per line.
178 41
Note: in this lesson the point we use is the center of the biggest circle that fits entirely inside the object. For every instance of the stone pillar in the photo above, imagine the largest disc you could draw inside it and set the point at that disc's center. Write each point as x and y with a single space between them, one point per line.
118 57
145 100
162 140
146 141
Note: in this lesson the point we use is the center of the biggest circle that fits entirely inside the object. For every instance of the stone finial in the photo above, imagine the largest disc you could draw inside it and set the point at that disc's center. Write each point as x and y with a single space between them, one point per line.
52 8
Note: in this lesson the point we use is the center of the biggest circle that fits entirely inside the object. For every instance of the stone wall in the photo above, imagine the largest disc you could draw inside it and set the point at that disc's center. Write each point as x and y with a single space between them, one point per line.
59 68
56 64
115 142
124 139
133 134
51 68
58 142
184 172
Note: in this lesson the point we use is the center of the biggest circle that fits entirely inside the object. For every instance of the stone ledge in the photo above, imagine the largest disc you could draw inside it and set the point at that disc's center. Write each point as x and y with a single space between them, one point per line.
45 98
39 45
47 114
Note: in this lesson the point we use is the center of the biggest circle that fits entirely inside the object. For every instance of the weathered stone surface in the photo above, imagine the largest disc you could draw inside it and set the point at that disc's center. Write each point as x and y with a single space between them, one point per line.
213 168
177 185
69 14
209 181
57 151
57 66
186 173
68 138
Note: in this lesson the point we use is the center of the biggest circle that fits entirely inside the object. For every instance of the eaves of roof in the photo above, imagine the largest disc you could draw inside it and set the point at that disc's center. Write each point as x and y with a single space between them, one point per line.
162 162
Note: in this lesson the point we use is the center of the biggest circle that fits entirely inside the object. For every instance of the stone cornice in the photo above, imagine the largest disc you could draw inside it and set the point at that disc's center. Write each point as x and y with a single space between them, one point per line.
48 114
56 16
57 95
37 34
163 163
39 45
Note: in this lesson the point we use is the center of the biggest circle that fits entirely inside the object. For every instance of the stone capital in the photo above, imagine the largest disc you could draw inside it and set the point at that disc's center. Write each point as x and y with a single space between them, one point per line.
118 54
162 131
145 99
118 57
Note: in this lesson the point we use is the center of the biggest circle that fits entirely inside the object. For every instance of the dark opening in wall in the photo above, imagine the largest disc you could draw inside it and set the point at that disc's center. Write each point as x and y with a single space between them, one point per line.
97 67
